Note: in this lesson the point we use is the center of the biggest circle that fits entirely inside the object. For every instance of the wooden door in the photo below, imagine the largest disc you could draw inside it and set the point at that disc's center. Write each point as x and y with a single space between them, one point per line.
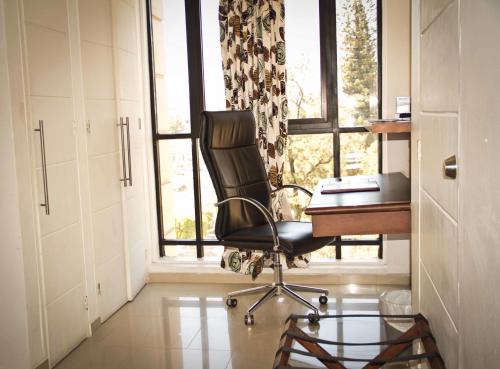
51 108
130 110
104 154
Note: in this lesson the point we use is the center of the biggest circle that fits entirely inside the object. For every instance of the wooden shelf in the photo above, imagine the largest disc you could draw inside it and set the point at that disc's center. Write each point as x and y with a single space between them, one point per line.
400 126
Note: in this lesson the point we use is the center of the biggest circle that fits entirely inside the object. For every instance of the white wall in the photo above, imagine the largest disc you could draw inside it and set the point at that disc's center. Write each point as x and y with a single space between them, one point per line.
479 177
14 343
415 163
396 67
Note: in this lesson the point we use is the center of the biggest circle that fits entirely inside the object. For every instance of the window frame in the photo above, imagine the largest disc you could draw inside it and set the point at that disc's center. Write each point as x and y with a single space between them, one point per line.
197 105
328 123
328 56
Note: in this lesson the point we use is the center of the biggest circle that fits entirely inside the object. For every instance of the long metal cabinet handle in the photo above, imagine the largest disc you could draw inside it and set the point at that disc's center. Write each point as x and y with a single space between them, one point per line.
44 167
124 168
127 123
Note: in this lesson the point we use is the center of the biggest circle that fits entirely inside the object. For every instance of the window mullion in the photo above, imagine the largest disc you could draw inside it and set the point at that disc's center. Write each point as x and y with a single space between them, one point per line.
332 95
156 159
197 104
197 197
328 29
380 139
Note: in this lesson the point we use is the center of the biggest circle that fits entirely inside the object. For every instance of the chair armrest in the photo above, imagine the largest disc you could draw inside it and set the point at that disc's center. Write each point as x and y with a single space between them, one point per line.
297 187
263 210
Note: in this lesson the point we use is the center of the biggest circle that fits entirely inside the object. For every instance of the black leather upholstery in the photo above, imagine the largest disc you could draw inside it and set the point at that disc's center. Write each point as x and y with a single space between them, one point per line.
227 143
295 238
228 146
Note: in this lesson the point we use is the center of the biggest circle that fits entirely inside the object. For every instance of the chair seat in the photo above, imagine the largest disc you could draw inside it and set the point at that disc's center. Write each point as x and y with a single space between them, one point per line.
296 238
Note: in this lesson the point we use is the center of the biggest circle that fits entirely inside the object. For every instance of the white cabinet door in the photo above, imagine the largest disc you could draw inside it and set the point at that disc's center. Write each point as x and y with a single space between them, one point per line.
48 61
48 67
479 175
135 200
129 84
129 92
104 154
57 116
437 116
125 25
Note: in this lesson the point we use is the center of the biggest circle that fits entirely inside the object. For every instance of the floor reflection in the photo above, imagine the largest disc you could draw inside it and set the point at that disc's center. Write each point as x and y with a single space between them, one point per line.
189 326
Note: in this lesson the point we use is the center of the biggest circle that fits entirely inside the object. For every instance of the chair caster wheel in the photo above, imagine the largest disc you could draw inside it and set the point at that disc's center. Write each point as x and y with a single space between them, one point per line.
230 302
323 299
249 319
313 318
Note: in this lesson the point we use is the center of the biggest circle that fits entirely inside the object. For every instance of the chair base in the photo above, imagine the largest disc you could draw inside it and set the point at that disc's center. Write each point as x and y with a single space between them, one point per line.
277 288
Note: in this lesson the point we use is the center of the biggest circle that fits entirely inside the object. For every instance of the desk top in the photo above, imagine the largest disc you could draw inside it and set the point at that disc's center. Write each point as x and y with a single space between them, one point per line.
394 195
397 126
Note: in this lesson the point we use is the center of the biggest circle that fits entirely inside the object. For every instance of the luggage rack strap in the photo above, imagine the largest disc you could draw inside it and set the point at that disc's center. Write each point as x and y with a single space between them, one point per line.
337 316
303 336
338 359
420 330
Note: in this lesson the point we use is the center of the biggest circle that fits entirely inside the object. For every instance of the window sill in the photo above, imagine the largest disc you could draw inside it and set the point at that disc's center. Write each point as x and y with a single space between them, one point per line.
335 272
197 263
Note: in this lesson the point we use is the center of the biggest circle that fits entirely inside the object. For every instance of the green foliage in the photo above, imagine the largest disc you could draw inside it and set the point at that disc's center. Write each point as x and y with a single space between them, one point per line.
310 157
185 228
360 66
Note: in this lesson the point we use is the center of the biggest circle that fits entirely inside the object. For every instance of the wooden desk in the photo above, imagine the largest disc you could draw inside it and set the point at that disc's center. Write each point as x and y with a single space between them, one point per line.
399 126
379 212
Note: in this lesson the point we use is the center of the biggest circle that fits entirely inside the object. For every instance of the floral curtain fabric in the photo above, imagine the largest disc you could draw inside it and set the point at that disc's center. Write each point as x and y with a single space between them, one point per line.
253 262
252 36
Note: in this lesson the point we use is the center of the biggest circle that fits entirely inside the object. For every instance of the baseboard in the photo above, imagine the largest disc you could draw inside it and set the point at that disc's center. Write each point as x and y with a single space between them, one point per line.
44 365
95 325
290 277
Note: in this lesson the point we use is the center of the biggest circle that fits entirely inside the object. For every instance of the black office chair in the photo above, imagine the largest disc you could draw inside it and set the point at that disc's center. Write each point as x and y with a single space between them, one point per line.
244 219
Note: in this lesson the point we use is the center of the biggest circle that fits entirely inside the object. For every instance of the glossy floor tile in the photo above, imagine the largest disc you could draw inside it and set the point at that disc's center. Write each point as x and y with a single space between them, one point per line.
187 326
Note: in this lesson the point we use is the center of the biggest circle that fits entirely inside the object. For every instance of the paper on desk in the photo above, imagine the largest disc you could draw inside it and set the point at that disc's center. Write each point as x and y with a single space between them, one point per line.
349 185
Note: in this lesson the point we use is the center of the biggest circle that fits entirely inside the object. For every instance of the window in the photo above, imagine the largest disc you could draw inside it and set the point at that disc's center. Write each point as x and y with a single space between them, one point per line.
333 67
186 214
333 70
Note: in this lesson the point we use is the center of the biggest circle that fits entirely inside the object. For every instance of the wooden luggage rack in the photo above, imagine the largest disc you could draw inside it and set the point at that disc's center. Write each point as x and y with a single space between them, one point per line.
391 354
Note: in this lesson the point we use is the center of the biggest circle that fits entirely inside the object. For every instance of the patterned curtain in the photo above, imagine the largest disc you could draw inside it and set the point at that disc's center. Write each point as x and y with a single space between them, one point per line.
252 36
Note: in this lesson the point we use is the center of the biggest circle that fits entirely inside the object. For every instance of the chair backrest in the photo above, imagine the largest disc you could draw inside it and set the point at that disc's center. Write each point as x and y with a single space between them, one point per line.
228 145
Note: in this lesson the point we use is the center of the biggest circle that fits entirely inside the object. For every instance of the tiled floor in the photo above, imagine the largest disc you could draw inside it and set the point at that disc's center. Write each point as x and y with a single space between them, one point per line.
188 326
